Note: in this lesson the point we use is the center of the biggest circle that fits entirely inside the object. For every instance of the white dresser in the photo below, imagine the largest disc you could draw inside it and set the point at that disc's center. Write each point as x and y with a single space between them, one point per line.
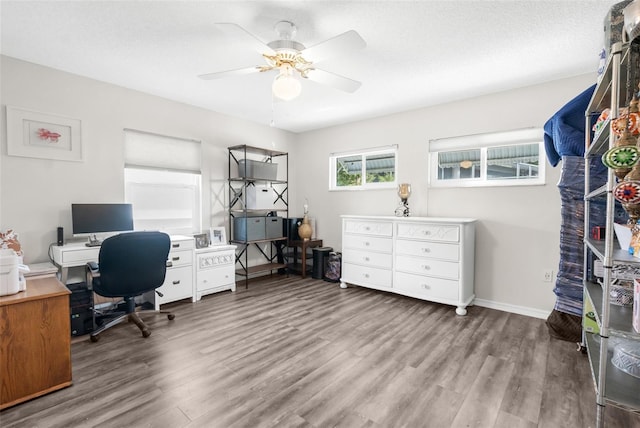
422 257
178 282
215 269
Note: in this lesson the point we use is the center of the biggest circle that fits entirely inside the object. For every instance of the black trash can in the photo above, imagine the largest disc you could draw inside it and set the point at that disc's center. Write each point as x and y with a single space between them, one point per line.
320 258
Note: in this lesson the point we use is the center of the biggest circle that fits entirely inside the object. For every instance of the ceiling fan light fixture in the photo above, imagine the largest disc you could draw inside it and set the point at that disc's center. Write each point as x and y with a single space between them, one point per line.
285 85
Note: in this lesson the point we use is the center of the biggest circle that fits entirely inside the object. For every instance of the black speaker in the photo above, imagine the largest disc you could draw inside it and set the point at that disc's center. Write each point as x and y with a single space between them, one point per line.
60 233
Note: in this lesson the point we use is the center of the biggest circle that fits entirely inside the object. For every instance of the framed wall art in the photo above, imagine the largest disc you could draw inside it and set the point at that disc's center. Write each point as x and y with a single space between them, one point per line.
218 236
41 135
202 240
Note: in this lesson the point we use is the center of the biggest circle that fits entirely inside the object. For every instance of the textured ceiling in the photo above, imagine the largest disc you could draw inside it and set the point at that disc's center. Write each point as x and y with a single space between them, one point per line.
419 53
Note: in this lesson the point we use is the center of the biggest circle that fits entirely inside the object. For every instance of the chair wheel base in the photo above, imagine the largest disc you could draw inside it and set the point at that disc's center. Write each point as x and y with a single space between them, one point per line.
94 338
146 332
171 317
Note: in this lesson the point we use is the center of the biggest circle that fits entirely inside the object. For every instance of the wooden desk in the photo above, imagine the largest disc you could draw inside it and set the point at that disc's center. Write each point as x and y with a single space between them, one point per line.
304 245
35 341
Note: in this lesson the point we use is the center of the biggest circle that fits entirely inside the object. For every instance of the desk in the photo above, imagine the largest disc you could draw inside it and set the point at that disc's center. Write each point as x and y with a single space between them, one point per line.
303 245
35 341
178 283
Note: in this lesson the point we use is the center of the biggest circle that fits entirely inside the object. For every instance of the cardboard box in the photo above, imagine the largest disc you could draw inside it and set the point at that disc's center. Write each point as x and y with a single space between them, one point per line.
589 323
636 306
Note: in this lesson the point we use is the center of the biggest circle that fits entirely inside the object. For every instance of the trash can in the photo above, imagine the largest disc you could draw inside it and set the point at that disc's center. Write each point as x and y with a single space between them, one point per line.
333 270
320 257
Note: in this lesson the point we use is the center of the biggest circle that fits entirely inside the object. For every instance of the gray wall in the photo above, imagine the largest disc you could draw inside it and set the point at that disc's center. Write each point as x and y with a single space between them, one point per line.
518 229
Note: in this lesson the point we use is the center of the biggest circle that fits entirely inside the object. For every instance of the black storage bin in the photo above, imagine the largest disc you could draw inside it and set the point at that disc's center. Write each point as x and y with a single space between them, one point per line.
320 258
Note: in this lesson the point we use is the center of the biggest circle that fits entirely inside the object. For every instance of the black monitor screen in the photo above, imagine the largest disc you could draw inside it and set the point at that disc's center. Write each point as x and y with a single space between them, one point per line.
99 218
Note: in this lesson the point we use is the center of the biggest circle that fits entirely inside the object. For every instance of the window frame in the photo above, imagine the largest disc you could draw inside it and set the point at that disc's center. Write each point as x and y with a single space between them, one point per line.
333 161
484 142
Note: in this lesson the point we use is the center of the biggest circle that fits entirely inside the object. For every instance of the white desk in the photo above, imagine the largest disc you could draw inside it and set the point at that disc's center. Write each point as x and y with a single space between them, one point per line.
178 283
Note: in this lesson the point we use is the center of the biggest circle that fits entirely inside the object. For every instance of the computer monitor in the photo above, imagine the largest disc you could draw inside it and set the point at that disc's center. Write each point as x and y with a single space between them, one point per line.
91 219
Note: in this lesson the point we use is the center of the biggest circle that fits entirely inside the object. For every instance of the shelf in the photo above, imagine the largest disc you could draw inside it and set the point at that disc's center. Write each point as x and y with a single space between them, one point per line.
600 143
257 150
267 267
619 316
258 241
620 388
601 97
257 211
600 191
619 256
252 179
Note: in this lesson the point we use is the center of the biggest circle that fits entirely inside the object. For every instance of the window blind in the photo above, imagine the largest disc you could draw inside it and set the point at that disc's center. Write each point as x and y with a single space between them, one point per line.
148 150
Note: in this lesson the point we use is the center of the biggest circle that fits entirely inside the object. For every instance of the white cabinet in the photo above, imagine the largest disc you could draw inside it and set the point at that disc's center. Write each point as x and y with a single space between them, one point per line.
426 258
178 282
215 270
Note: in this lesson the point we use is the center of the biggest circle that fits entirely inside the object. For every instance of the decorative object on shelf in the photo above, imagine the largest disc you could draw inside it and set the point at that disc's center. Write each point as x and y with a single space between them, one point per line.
217 236
45 136
304 230
404 191
632 20
626 357
202 240
623 157
627 192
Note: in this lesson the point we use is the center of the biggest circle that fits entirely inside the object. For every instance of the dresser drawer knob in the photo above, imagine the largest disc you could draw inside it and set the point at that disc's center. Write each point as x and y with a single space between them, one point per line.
426 267
367 228
366 244
427 232
366 259
176 245
176 282
426 286
366 275
175 259
426 250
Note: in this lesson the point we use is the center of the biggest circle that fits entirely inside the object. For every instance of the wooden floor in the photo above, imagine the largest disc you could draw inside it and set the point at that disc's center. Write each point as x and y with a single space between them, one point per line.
289 352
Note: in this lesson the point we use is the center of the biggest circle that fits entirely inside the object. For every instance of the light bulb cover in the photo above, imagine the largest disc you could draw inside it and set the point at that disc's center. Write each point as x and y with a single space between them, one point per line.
285 85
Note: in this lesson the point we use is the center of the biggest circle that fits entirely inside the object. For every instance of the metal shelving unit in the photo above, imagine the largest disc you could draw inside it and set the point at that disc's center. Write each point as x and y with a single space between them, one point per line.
613 387
238 185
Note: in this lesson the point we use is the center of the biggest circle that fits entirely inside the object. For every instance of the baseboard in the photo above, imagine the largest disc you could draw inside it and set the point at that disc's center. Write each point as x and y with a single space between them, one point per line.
520 310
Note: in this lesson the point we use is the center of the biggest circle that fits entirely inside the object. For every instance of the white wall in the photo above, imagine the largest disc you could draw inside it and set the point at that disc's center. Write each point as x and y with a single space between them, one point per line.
518 231
37 193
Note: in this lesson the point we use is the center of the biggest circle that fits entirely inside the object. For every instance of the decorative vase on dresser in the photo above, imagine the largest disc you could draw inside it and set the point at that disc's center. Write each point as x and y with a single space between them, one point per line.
426 258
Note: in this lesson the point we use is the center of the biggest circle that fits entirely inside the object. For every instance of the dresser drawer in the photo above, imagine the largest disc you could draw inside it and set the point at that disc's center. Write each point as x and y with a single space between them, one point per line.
214 278
429 267
214 260
428 249
180 258
378 228
177 284
432 232
368 258
426 287
183 244
369 243
365 275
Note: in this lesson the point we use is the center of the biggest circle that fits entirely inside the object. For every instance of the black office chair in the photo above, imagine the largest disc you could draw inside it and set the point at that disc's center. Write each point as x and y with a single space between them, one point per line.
129 265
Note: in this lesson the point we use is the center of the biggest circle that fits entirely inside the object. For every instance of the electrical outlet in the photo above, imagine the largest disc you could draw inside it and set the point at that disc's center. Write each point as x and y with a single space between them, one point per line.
548 275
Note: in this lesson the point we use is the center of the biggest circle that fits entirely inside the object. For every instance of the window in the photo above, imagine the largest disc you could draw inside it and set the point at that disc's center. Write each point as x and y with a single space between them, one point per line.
509 158
163 182
370 169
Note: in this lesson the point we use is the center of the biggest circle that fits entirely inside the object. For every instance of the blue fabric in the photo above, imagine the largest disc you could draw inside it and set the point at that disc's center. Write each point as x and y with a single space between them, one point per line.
564 132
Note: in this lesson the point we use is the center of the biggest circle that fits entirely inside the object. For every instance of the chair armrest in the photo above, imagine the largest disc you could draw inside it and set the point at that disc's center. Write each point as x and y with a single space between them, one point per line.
93 270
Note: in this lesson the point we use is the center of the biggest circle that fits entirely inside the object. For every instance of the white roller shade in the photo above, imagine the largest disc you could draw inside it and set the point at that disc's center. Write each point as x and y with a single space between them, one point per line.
146 150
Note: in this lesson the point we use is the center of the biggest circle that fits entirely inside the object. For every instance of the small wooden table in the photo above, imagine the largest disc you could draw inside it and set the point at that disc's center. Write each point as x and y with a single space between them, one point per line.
35 341
304 245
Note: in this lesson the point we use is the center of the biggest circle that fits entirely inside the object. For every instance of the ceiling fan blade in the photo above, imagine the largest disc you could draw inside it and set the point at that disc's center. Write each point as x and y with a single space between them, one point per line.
340 44
236 31
333 80
237 72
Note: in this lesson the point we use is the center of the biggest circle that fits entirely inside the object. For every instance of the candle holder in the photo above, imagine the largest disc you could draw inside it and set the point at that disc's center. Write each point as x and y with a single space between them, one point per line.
404 191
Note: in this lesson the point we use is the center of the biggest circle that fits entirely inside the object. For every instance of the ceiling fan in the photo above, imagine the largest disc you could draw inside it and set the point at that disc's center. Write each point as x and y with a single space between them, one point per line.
293 60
